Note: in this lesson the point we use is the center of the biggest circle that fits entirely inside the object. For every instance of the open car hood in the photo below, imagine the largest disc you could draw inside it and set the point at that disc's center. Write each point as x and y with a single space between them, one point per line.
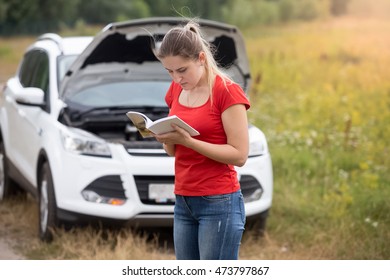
123 51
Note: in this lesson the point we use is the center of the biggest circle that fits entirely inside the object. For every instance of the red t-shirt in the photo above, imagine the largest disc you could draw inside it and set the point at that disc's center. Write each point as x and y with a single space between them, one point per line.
195 174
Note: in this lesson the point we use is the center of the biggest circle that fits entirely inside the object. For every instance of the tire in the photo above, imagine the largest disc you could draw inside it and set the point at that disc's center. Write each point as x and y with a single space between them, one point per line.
48 220
7 186
257 225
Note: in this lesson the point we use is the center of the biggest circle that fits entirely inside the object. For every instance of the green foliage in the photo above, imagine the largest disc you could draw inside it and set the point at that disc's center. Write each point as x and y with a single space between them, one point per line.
245 13
37 16
91 11
3 10
137 9
188 8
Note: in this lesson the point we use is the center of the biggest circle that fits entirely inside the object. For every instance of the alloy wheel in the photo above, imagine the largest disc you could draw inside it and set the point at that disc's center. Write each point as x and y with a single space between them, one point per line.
44 201
2 177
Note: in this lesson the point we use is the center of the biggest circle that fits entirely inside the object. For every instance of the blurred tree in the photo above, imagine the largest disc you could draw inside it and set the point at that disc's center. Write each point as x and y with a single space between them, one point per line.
248 12
16 13
339 7
98 11
106 11
187 8
35 16
286 10
307 9
3 9
161 7
302 9
138 9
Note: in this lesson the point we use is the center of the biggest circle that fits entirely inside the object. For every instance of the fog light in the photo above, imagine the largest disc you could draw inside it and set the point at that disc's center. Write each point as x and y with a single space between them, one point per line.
256 195
92 196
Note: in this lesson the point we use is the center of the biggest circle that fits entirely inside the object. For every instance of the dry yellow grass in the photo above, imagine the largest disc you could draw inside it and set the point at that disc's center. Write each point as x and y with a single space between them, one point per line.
11 51
18 221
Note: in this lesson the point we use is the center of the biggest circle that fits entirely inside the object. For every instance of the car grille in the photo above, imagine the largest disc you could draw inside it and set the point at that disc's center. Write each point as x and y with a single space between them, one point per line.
249 185
108 186
146 147
147 152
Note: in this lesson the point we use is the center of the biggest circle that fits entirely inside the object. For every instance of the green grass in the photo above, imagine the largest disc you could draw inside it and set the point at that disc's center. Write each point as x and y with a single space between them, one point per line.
321 94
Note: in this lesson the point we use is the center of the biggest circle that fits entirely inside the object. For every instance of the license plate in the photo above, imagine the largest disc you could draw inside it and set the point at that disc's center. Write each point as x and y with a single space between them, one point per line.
161 193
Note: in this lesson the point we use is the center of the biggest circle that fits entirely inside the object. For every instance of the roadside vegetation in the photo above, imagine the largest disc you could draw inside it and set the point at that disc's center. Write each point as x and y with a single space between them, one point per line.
321 94
38 16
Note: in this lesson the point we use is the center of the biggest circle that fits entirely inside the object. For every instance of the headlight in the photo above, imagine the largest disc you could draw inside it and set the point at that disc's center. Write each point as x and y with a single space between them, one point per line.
256 195
257 142
256 149
80 142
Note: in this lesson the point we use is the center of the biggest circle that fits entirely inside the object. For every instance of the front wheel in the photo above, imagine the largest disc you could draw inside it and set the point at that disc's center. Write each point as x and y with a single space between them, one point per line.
48 220
7 186
257 224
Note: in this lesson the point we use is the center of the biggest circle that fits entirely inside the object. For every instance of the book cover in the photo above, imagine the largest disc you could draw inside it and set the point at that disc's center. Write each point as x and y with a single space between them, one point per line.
145 125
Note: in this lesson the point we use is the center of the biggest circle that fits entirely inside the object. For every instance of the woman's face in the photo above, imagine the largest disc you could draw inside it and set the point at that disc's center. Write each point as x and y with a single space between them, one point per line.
186 72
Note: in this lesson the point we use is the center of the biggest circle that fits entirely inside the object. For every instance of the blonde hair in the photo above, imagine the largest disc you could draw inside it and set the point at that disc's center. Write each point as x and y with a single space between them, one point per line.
188 42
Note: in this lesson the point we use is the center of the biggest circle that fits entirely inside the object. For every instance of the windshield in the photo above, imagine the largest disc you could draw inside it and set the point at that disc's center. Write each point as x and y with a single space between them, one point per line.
64 62
124 94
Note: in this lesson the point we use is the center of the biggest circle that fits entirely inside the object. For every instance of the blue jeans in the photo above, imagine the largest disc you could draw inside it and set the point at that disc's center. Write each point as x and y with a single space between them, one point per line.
208 227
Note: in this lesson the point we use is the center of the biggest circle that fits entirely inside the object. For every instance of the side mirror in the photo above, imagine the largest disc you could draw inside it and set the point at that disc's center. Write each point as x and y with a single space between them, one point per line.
31 96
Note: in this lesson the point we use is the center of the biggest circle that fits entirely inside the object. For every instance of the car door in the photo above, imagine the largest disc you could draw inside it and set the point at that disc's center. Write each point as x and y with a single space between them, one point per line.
24 121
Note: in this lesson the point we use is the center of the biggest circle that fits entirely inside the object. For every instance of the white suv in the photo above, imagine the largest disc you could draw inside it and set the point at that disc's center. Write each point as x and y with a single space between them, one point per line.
65 137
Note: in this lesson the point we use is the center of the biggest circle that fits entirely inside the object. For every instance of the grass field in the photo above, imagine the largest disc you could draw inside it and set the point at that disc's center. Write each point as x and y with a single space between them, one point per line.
321 94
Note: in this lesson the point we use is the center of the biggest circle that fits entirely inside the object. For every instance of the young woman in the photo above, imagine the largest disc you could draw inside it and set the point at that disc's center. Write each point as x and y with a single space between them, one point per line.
209 214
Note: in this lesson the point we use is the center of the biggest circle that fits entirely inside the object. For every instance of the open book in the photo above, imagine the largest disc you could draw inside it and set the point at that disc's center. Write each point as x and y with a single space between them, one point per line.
145 125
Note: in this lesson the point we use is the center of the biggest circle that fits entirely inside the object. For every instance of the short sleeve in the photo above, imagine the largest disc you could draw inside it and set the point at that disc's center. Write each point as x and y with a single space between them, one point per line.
228 95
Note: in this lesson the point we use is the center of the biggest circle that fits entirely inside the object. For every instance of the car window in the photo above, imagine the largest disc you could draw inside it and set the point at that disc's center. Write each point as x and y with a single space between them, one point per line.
27 68
40 77
34 71
132 94
64 62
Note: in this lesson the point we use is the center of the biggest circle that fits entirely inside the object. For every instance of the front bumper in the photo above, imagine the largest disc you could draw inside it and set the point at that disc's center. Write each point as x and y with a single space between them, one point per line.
127 176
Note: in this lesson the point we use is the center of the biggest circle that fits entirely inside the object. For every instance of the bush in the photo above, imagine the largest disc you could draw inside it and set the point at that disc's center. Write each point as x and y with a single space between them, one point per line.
245 13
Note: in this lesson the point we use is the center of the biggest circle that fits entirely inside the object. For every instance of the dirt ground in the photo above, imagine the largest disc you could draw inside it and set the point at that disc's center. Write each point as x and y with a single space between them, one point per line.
6 251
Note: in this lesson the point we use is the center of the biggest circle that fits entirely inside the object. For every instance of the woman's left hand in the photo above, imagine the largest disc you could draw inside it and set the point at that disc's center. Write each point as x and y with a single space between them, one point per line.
178 136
